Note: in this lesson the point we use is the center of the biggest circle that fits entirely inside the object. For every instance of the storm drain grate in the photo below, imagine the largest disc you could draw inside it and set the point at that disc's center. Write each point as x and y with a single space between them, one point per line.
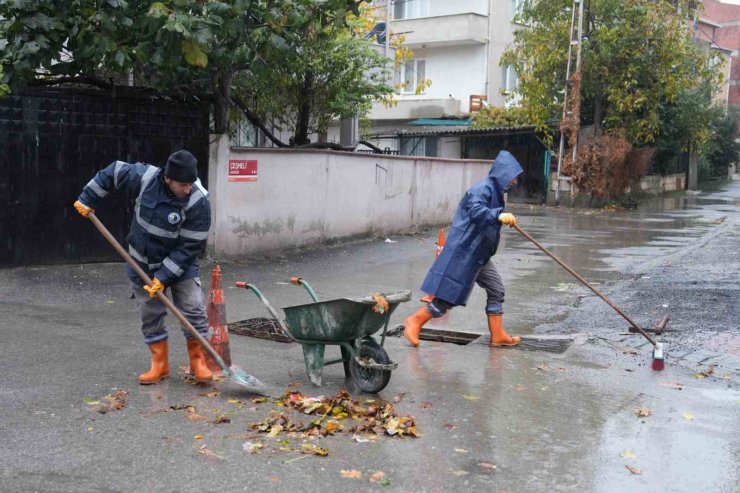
549 345
438 335
260 327
453 337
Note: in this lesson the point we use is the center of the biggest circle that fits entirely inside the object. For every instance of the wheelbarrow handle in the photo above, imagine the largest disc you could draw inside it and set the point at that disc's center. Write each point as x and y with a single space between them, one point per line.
258 293
299 281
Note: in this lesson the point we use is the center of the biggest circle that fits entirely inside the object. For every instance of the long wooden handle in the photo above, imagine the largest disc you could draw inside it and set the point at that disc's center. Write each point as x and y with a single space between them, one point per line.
585 283
164 299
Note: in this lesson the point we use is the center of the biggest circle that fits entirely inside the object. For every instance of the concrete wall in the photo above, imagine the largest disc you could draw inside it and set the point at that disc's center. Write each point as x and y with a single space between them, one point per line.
652 184
308 197
660 184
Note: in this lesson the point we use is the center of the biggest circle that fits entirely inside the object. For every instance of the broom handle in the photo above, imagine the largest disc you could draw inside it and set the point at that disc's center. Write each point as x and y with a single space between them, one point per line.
164 299
585 283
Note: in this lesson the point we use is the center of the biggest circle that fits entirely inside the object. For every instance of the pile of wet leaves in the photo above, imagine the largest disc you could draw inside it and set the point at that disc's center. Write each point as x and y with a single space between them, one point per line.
333 415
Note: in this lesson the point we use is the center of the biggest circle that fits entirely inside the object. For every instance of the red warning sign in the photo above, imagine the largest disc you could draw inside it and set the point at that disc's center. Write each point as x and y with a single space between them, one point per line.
242 170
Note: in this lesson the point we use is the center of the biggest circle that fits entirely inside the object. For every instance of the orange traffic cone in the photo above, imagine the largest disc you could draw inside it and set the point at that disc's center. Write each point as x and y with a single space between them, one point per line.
217 322
440 245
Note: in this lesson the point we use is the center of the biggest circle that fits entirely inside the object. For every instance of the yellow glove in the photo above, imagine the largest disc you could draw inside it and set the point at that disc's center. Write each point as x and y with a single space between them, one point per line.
83 209
507 218
156 287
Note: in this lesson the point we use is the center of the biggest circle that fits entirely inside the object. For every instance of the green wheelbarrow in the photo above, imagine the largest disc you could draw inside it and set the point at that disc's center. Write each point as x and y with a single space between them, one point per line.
345 322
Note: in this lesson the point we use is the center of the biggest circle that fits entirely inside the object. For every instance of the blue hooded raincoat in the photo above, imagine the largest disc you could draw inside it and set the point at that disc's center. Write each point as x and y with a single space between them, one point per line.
474 235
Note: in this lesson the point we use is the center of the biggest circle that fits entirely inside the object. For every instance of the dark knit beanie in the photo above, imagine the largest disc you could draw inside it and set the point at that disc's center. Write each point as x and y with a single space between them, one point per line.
182 166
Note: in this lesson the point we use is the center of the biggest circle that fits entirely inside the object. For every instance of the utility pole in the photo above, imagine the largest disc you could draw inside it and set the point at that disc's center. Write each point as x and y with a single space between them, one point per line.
574 41
387 28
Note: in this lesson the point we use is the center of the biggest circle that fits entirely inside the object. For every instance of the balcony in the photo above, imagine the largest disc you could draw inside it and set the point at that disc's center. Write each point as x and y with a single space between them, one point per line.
443 30
418 107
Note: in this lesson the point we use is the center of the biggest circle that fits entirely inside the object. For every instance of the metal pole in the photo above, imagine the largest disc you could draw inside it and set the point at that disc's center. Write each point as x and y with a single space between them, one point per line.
578 69
561 146
387 28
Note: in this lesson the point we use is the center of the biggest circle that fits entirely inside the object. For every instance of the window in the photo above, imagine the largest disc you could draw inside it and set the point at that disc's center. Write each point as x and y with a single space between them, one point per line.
410 9
509 85
409 75
243 133
419 146
516 7
509 80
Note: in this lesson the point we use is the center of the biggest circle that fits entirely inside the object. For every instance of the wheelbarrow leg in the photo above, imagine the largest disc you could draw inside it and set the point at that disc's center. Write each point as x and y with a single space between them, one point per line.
313 354
346 357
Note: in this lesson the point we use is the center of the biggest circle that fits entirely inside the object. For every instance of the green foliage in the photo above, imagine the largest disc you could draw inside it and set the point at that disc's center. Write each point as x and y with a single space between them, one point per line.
722 148
685 124
494 116
337 74
283 57
637 55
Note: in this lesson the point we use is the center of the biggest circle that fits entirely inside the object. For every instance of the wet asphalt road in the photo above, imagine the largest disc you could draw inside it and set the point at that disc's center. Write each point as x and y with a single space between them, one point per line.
547 422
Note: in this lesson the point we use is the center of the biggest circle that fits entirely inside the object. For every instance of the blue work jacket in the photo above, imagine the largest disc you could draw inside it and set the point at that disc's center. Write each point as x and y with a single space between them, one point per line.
168 234
474 235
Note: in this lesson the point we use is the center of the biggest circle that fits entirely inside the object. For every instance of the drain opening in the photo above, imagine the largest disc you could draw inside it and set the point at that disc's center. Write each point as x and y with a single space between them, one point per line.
450 336
548 344
260 327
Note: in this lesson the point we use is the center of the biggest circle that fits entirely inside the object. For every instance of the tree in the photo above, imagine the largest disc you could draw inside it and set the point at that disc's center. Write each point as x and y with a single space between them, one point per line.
636 56
223 50
722 148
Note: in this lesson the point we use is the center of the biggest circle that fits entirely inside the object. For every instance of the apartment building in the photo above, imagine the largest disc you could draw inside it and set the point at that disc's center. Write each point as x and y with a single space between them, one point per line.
457 46
719 25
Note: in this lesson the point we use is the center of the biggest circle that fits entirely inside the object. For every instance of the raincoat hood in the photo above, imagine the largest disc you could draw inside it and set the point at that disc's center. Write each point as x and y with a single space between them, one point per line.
504 169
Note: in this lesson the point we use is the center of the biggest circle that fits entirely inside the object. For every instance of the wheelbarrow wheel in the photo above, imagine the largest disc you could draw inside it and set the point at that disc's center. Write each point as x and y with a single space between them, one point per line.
367 379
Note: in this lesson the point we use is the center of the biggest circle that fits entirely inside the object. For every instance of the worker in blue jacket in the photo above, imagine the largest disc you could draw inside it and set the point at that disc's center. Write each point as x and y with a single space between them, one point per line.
466 257
172 216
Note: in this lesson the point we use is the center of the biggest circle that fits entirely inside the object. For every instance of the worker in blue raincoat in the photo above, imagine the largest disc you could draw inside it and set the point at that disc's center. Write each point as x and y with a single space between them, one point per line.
466 257
172 216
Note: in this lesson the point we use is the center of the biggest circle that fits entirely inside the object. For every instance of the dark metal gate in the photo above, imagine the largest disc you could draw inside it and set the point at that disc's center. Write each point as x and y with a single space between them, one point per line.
52 142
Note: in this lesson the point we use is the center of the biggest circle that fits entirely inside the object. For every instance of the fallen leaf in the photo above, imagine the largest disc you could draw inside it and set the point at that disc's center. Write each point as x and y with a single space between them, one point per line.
234 401
377 476
450 426
471 397
460 473
116 402
688 416
310 449
543 367
385 482
195 417
425 404
90 428
633 470
91 402
213 393
461 451
221 420
628 454
643 412
677 386
351 474
275 430
487 465
259 400
198 437
210 453
252 447
521 388
706 373
398 398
